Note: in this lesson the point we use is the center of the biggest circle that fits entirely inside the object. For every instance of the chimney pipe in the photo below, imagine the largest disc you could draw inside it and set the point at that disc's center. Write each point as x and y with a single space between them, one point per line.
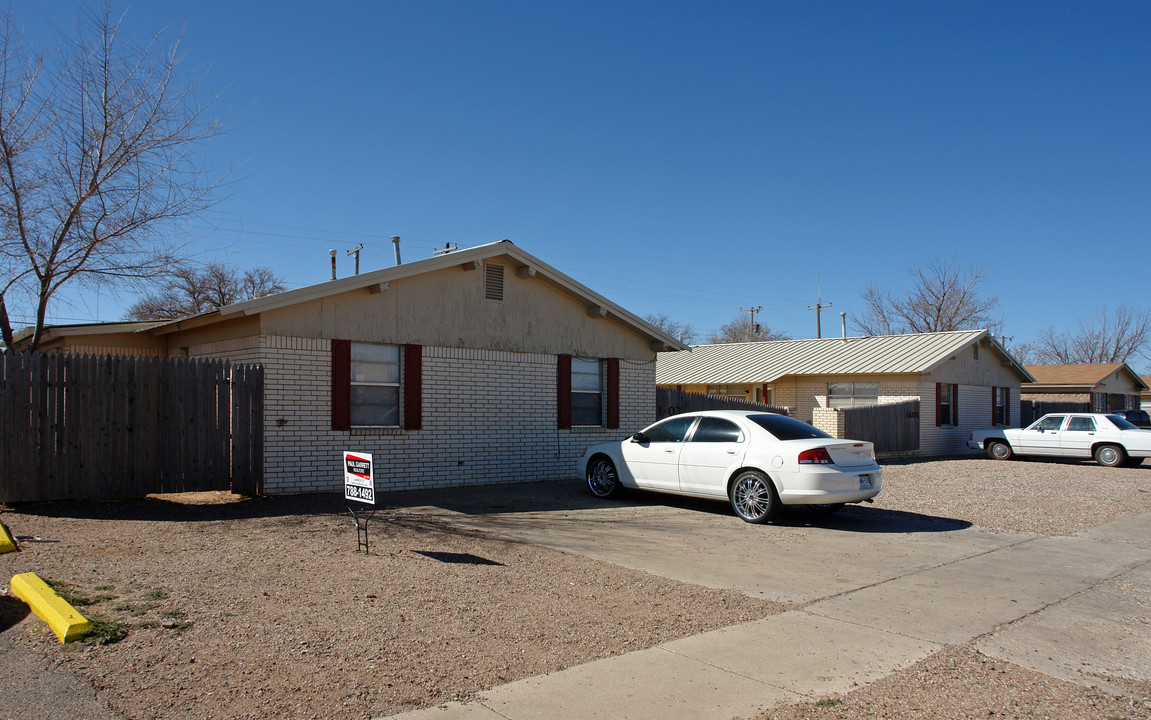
396 245
843 322
333 254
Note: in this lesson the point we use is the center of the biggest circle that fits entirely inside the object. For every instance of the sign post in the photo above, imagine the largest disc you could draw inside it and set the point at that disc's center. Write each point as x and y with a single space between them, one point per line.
360 487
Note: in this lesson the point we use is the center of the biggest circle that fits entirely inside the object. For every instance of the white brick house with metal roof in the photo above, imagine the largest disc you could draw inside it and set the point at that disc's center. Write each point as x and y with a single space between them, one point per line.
964 380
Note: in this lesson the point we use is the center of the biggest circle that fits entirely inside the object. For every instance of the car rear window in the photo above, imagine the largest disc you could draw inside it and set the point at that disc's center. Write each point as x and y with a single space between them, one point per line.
1121 423
787 428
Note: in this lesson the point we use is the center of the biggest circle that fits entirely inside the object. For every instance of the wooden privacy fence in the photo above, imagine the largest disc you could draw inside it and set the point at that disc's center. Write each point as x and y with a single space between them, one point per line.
672 402
1032 410
892 427
87 426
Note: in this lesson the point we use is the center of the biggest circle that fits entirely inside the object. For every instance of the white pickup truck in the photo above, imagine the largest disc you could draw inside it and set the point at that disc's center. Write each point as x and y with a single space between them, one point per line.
1110 439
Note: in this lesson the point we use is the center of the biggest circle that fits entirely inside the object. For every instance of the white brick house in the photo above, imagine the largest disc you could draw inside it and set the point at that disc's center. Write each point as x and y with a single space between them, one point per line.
963 380
479 366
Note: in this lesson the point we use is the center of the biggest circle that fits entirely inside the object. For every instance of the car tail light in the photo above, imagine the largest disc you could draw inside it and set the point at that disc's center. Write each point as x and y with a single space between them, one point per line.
816 456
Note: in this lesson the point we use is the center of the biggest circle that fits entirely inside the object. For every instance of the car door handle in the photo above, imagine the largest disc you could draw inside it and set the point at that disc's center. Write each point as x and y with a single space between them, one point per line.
731 452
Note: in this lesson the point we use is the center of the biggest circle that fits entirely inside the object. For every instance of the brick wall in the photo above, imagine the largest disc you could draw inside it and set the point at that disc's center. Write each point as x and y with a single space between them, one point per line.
488 417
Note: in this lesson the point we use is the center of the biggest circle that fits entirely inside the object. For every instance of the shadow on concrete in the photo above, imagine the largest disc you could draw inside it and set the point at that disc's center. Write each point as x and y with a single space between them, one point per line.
12 611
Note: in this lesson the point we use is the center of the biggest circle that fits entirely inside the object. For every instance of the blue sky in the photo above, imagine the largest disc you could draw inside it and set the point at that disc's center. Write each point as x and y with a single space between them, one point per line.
684 158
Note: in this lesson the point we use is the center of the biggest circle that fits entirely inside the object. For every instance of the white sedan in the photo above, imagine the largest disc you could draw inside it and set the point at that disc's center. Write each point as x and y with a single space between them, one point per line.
1110 439
756 460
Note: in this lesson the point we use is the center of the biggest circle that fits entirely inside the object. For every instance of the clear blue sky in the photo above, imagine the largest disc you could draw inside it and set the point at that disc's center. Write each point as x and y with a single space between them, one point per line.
685 158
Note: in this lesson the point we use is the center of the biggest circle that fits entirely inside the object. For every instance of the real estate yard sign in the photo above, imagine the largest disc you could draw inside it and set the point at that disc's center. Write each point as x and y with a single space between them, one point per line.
359 483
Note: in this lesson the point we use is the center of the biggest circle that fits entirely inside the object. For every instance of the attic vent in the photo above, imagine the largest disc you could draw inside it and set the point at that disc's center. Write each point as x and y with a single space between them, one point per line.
494 281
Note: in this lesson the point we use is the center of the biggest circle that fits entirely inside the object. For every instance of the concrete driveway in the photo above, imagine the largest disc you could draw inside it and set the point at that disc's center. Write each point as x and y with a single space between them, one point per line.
872 591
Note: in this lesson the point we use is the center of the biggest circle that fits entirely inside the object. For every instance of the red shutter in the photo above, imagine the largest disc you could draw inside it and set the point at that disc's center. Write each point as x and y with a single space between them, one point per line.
341 384
413 387
938 404
564 391
955 405
613 393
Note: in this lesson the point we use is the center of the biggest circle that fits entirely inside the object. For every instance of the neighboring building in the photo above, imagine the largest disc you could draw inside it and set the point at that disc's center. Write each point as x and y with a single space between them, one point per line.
1103 386
478 366
1145 396
963 380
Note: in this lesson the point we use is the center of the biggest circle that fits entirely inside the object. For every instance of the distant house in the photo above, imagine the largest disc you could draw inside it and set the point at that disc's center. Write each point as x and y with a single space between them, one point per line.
484 365
1100 386
963 380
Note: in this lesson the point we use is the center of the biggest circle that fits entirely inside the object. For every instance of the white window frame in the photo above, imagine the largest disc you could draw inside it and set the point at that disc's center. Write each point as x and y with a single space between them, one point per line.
599 391
398 384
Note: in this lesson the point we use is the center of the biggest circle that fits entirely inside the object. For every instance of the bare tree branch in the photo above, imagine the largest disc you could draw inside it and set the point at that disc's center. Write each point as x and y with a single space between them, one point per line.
741 330
102 150
943 297
1113 336
195 290
683 331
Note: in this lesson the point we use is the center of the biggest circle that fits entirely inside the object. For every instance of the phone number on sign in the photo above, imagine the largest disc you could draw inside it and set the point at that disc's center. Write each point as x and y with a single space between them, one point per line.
352 492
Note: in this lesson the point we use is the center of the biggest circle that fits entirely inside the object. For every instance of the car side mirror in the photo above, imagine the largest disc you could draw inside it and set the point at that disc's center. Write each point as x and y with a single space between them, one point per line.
639 437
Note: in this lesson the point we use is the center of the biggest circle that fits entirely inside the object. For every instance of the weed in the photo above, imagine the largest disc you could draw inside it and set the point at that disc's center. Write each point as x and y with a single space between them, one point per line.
104 588
131 609
828 702
148 624
155 594
173 614
71 594
104 632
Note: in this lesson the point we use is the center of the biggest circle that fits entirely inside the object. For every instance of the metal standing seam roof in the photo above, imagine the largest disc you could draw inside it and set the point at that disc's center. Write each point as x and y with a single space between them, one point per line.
758 362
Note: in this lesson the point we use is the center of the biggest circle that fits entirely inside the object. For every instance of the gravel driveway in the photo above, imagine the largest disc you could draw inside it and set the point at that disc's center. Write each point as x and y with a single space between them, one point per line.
246 608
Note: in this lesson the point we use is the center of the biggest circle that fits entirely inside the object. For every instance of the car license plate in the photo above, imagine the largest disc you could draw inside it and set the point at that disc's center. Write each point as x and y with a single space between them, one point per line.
864 482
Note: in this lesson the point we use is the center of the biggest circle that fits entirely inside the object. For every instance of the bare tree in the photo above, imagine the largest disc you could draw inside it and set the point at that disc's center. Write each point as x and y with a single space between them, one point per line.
195 290
741 330
1111 337
683 331
943 297
100 151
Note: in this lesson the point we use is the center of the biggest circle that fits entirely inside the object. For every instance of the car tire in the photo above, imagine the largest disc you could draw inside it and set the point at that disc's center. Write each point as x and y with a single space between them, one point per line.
753 497
1110 455
826 508
602 478
999 450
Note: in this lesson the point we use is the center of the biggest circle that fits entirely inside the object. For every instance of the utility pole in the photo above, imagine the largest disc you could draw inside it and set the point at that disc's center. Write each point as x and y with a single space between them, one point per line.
819 306
356 252
751 323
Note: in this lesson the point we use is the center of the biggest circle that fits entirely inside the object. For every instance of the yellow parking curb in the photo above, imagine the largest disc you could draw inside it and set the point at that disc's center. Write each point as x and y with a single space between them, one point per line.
52 609
7 542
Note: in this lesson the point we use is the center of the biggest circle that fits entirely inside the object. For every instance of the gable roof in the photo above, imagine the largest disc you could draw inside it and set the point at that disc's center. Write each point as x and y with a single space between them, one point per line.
1080 375
760 362
470 258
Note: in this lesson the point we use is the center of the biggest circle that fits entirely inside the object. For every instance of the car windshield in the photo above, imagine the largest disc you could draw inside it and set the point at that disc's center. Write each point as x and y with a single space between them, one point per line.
1121 423
786 428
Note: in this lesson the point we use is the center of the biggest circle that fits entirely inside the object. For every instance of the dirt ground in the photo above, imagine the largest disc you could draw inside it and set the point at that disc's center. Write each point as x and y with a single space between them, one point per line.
260 608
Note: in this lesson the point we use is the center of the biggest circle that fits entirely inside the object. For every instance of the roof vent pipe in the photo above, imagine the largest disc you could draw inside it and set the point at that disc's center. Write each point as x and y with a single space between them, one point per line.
333 254
396 245
843 322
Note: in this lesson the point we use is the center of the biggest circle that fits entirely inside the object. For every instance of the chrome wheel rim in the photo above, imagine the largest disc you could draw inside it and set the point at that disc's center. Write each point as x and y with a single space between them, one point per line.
1108 456
999 450
752 497
601 477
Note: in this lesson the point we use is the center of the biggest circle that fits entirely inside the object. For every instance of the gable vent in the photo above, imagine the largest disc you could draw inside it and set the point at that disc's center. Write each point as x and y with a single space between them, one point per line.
494 281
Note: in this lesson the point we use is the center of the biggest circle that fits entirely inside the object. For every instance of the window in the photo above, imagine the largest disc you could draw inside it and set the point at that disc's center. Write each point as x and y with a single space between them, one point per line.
1050 423
1000 406
728 390
672 430
1082 424
711 429
852 394
375 385
787 428
946 404
366 385
587 392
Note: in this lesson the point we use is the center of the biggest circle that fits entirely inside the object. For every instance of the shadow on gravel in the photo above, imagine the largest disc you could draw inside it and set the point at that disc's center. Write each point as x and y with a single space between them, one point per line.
12 611
186 508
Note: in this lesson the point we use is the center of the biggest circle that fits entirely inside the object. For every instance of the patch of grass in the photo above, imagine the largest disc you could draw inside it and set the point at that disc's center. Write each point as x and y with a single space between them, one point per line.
132 609
174 614
73 595
148 624
104 588
104 632
828 702
155 594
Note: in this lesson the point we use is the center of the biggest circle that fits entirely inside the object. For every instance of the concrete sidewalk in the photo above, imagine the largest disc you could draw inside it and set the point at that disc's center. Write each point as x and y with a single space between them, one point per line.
872 602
